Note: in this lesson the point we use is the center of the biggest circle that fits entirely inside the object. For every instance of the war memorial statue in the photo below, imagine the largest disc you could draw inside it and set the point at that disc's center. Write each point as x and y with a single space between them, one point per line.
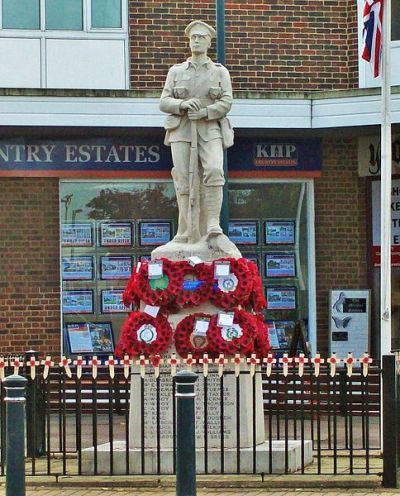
197 97
198 303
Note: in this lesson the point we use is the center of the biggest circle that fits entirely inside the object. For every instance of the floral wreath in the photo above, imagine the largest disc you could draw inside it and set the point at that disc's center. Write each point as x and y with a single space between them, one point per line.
157 292
241 285
142 334
201 290
129 296
185 342
262 344
238 338
257 299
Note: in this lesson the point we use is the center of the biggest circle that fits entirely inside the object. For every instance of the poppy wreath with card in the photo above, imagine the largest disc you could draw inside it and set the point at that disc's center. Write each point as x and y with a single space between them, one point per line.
231 291
142 334
185 340
129 296
159 291
257 299
196 283
237 338
262 345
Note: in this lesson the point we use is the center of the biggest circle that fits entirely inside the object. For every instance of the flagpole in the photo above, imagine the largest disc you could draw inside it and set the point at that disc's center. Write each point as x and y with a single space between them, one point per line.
386 186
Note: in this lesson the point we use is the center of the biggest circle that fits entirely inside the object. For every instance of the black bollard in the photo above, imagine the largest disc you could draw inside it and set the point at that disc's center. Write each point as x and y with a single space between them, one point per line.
185 434
35 411
15 435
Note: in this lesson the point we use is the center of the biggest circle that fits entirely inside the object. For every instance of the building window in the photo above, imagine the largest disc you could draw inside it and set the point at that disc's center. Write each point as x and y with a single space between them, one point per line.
106 13
23 14
73 15
366 79
64 14
64 44
395 20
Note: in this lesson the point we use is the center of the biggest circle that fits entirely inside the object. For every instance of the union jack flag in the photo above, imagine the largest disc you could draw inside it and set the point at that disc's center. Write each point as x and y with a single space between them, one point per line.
372 34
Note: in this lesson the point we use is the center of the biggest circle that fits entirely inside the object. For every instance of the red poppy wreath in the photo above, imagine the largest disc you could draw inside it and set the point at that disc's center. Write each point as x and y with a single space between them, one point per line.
257 297
237 338
262 344
160 291
234 289
186 340
130 297
142 334
196 283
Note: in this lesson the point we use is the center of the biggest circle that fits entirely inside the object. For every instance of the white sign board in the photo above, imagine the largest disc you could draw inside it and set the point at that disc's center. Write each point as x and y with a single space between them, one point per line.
349 321
369 155
376 222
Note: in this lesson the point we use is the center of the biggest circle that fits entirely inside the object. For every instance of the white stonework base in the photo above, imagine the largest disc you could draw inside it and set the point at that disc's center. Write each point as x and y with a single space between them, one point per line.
214 459
247 416
207 250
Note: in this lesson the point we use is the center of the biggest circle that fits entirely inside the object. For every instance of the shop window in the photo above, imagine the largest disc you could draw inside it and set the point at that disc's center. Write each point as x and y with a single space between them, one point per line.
270 222
106 228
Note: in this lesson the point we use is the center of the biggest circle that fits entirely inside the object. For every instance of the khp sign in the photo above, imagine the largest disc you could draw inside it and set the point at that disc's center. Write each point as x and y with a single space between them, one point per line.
278 154
376 223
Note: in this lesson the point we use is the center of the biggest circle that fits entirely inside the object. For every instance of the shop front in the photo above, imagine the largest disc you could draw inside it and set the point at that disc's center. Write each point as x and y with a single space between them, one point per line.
117 203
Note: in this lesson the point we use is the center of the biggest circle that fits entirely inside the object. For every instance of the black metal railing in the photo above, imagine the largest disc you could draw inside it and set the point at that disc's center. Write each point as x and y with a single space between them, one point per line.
123 423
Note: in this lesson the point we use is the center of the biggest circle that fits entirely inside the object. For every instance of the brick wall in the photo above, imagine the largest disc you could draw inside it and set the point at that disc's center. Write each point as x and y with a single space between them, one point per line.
292 45
29 265
341 227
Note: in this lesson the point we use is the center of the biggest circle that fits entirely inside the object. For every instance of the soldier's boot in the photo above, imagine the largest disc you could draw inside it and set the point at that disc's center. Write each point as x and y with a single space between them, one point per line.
213 204
183 206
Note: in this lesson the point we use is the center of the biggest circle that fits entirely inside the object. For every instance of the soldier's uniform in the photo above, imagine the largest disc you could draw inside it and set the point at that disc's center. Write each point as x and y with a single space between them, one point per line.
210 83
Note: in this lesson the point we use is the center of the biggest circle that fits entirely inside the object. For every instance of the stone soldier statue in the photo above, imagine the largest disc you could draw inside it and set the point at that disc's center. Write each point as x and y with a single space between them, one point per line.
197 96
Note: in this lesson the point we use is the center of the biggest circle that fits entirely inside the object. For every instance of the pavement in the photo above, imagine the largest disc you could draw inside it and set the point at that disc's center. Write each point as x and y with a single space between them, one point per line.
284 485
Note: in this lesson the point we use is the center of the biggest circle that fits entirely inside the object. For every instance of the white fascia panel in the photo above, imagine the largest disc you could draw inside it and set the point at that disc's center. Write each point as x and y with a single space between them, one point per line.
356 111
144 112
274 113
91 112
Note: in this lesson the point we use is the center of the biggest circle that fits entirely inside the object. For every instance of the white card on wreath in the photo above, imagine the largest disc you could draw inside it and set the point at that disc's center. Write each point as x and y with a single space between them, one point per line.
194 260
152 311
155 270
225 319
201 327
222 269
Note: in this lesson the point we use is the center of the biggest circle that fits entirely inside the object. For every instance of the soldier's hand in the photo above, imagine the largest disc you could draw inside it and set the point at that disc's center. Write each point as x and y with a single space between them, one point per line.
192 104
195 115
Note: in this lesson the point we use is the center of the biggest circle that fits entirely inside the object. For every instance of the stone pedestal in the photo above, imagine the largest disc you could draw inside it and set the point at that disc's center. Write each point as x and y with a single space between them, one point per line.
207 249
165 460
245 416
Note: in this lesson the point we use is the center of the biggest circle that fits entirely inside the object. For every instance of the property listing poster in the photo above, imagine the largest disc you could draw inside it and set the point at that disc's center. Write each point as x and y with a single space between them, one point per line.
349 321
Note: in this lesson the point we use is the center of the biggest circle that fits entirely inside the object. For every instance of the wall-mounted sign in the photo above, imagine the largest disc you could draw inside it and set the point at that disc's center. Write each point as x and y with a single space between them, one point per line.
369 155
277 158
149 157
349 321
376 222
